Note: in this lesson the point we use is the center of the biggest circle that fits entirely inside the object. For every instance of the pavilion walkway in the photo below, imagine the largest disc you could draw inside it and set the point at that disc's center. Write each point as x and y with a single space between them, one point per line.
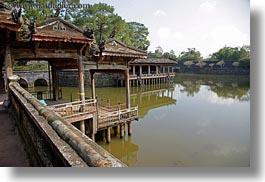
102 116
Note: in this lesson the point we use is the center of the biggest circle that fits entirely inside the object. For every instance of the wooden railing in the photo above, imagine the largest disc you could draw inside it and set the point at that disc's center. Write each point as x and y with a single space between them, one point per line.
144 76
116 117
105 105
106 116
46 95
77 108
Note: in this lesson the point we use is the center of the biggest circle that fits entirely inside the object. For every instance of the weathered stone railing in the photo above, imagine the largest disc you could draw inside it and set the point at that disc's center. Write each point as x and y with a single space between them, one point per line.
50 140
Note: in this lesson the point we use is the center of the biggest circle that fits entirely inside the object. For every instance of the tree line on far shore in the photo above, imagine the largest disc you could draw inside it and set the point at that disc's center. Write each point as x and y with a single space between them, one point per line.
240 56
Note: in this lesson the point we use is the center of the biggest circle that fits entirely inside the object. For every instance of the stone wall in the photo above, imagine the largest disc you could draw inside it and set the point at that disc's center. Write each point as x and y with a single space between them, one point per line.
214 71
68 78
31 76
49 139
226 69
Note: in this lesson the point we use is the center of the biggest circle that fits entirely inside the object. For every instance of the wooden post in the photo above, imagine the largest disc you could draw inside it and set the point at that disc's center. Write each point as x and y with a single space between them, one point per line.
92 137
91 128
8 58
8 62
108 135
115 128
133 70
121 130
93 90
81 80
50 81
103 135
149 70
2 81
129 128
82 126
55 85
141 70
127 82
81 89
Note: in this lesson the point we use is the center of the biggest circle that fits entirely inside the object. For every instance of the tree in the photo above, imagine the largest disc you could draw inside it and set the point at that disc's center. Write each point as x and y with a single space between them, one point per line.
138 35
43 9
235 54
158 52
99 17
190 55
67 11
170 55
31 11
107 24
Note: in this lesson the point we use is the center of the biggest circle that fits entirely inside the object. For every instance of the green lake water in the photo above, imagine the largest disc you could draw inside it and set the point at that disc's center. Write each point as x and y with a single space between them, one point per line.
200 120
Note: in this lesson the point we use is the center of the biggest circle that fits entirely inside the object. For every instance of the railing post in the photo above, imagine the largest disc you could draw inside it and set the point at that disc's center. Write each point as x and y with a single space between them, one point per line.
119 108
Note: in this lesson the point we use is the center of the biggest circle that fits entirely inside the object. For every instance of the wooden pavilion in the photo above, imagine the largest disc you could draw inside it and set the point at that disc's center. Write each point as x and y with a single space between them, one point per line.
151 71
114 58
65 46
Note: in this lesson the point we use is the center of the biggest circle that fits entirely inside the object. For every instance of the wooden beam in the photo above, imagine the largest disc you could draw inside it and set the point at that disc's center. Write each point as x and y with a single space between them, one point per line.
44 55
36 47
105 67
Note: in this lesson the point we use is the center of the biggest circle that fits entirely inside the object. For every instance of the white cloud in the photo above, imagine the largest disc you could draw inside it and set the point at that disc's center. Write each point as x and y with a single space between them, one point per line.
229 35
214 99
208 7
164 32
160 13
167 32
178 35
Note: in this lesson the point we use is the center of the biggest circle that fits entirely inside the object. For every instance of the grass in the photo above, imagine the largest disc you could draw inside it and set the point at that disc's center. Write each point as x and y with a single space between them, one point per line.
33 67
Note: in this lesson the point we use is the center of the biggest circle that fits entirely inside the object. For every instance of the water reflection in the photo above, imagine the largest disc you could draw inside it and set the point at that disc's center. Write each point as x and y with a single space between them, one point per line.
152 96
200 120
235 87
124 148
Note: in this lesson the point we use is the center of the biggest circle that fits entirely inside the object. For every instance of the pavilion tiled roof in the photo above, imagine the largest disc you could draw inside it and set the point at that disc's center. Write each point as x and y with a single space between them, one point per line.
6 19
64 32
152 60
116 48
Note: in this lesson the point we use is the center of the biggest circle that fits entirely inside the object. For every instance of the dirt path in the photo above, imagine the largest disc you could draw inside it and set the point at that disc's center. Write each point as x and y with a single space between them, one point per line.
12 152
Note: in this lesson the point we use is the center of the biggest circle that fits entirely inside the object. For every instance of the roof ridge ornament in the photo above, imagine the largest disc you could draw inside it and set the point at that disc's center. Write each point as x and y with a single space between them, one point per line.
5 7
59 26
114 43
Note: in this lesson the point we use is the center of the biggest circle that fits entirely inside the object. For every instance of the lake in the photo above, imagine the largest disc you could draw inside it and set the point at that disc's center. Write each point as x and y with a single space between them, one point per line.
200 120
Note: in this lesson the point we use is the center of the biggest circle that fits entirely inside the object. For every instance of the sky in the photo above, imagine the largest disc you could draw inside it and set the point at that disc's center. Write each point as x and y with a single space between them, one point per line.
207 25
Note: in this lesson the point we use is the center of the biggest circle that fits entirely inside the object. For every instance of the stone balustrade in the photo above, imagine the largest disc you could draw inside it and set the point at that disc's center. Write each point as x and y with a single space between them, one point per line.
51 140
